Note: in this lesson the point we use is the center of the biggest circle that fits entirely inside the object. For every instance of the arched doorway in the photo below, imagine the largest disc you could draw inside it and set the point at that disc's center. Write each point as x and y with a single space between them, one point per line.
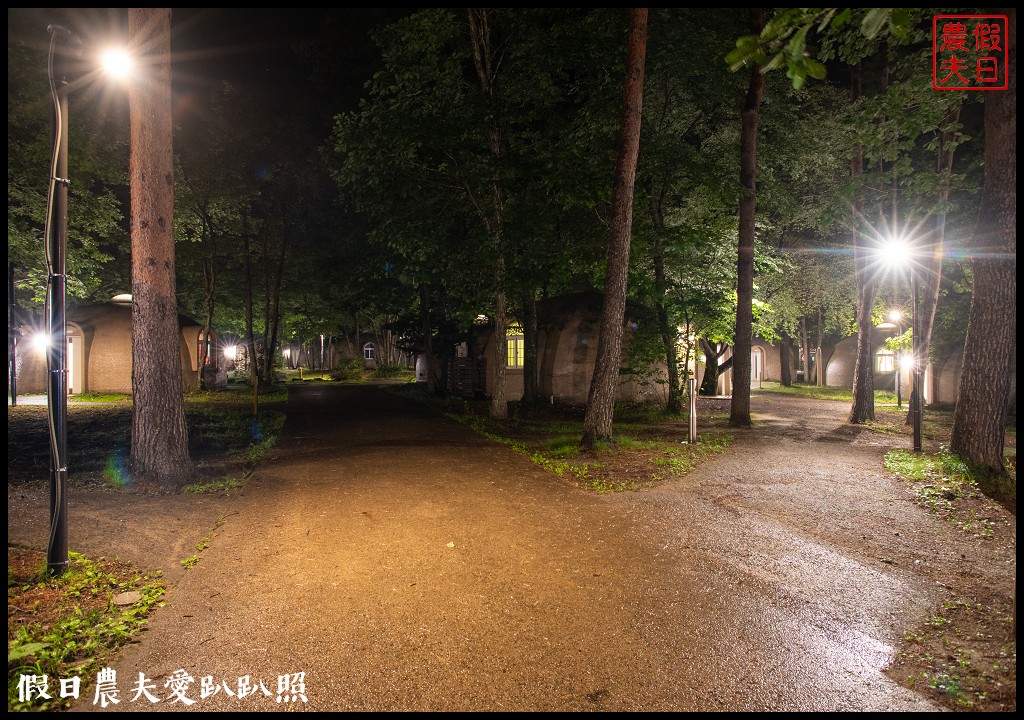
75 360
756 366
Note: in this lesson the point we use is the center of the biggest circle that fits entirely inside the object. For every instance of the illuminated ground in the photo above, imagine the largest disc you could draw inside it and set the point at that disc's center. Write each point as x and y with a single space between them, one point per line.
404 563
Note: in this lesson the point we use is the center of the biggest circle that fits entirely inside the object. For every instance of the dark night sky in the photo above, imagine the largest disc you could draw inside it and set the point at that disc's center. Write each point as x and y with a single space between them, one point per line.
251 47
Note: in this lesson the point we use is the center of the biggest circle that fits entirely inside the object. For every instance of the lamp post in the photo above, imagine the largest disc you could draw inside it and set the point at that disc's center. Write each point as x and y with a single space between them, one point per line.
56 255
898 252
916 399
897 318
63 45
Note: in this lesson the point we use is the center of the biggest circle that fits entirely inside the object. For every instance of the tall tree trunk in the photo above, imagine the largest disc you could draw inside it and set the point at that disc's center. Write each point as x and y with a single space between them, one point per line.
713 366
785 366
499 401
819 358
531 390
805 343
159 443
433 370
739 408
709 383
979 421
863 407
669 334
597 422
275 309
932 270
250 334
210 278
265 340
486 69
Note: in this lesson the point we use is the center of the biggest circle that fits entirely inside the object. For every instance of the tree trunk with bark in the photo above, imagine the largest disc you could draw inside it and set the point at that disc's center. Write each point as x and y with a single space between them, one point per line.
805 343
159 443
979 421
531 390
863 406
433 370
597 421
274 314
932 270
209 277
250 333
785 367
668 332
486 68
739 408
713 368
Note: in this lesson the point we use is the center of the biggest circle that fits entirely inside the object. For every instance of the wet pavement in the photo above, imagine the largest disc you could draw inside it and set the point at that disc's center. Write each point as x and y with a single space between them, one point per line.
383 558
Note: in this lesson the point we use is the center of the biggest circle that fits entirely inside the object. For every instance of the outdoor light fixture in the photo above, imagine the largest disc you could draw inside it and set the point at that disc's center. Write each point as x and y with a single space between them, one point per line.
898 252
64 45
41 342
230 352
897 318
116 63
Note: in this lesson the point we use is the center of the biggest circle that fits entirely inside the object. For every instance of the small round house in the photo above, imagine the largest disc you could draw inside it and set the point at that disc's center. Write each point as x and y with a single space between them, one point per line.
99 357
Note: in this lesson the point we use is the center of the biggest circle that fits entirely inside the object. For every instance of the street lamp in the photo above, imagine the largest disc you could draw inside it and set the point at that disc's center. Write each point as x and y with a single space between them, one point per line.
897 318
916 399
898 252
63 45
56 328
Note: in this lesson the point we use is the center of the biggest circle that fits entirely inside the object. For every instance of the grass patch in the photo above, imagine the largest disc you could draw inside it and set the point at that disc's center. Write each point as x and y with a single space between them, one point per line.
882 397
192 560
646 449
939 479
232 431
224 440
237 395
213 487
949 663
68 626
92 397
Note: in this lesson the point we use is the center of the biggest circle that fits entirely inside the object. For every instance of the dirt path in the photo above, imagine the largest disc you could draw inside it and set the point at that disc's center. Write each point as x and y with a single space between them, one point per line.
404 563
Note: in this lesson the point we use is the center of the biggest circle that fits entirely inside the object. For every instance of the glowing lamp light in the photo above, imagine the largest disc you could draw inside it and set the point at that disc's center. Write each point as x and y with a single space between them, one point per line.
116 63
230 351
40 341
896 252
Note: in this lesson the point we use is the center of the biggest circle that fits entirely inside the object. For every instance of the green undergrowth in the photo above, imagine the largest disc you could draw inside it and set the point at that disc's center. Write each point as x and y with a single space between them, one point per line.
94 397
940 479
647 448
67 626
952 666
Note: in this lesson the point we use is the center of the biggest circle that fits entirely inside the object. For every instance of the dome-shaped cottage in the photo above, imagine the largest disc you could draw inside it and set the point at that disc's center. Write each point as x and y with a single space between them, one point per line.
99 357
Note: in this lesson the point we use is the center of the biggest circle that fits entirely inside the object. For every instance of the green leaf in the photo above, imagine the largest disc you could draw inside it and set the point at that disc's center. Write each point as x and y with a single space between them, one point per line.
24 651
815 69
775 62
842 18
873 22
826 19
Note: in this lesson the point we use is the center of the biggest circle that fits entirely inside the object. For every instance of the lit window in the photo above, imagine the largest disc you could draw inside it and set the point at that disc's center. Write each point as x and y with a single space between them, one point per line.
514 347
368 351
885 361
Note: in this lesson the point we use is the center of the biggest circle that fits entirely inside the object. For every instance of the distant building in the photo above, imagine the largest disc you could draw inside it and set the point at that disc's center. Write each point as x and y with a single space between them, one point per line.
99 357
568 334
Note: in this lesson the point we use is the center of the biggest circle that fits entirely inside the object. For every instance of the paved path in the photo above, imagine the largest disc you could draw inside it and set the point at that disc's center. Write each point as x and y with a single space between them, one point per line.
404 563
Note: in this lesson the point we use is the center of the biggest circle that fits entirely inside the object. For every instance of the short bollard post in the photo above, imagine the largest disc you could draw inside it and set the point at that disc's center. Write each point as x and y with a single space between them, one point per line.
693 410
